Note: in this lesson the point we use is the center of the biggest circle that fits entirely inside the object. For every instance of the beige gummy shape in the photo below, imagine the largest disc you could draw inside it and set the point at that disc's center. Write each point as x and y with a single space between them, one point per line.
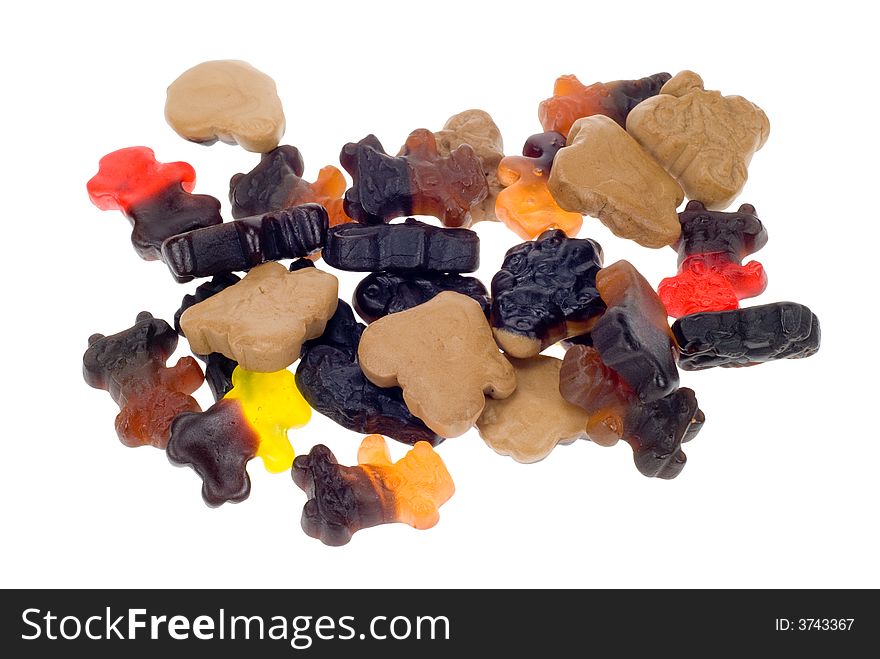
703 139
531 422
442 354
603 172
226 100
262 321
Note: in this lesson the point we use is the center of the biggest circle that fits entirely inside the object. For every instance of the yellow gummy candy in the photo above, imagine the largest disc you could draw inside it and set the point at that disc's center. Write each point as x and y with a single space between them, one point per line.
272 405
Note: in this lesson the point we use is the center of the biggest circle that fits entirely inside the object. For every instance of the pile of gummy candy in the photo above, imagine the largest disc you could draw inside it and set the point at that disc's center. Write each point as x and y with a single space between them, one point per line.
440 353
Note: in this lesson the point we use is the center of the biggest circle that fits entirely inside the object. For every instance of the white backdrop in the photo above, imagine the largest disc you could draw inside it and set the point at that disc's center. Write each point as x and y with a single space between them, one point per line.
780 487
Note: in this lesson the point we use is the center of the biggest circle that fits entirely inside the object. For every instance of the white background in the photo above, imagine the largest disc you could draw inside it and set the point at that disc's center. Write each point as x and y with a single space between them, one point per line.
781 487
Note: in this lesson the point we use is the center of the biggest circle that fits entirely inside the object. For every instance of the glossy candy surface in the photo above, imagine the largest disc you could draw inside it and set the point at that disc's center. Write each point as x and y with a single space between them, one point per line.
545 292
154 196
251 420
382 293
276 183
410 246
343 500
526 205
418 182
654 431
246 243
632 336
744 337
572 100
711 276
330 379
130 365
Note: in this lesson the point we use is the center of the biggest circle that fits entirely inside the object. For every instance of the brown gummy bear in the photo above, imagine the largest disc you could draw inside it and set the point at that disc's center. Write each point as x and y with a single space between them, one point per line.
655 431
344 500
526 205
130 365
573 100
418 182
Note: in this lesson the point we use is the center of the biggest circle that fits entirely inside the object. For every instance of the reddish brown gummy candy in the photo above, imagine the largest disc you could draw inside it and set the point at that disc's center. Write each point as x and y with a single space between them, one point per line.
654 431
572 100
131 366
711 276
418 182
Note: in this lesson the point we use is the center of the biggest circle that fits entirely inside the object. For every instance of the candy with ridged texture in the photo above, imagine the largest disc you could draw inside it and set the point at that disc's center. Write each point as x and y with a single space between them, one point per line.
382 293
545 292
530 423
243 244
603 172
442 354
226 100
745 337
330 379
218 367
155 197
252 420
711 249
655 431
410 246
633 335
131 366
573 100
418 182
262 321
703 139
526 205
343 500
276 183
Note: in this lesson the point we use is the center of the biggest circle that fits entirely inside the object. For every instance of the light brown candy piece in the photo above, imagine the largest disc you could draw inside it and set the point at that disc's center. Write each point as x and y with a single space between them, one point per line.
705 140
262 321
531 422
442 354
475 127
226 100
603 172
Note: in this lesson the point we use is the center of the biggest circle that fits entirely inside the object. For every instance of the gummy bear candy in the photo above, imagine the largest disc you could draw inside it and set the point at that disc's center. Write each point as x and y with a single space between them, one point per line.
131 366
442 354
572 100
262 321
344 500
526 205
252 420
411 246
330 379
382 293
655 431
218 367
276 184
154 196
226 100
745 337
711 276
545 292
632 336
418 182
243 244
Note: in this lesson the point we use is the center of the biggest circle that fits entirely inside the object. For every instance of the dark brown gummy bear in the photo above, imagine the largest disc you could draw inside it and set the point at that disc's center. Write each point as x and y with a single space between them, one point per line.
382 293
269 186
736 235
130 365
217 444
420 181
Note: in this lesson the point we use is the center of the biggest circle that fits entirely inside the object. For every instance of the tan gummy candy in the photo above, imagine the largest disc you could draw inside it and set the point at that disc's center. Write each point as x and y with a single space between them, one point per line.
442 354
603 172
704 139
476 128
226 100
262 321
530 423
